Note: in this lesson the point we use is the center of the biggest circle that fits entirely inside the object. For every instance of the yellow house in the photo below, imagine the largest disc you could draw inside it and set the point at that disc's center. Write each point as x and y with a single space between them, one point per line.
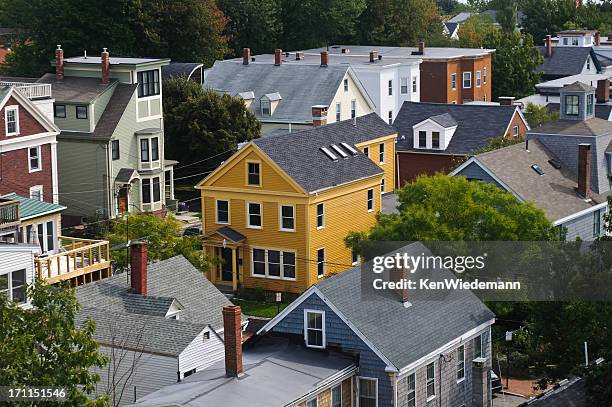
278 210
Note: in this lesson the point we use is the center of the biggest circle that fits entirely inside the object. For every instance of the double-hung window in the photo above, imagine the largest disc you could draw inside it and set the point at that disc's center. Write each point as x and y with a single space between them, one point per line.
59 111
368 392
467 80
390 87
454 81
597 223
151 190
266 107
277 264
571 105
382 186
590 104
149 150
422 139
478 346
346 84
254 215
336 396
353 109
11 120
381 153
320 262
484 74
287 218
115 154
370 200
478 79
338 111
222 211
36 192
430 382
515 132
13 285
435 139
253 174
404 86
461 363
314 328
320 216
407 391
312 403
34 159
366 151
148 83
390 117
414 84
81 112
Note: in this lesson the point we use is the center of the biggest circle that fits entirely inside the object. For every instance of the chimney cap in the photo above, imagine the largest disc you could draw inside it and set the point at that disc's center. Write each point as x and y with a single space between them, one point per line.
59 46
104 49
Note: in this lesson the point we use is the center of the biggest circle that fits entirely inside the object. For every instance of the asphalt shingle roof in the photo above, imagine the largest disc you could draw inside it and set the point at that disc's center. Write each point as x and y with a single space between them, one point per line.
590 127
578 87
564 61
299 154
31 208
299 86
476 124
76 89
231 234
179 69
444 120
569 394
432 322
174 278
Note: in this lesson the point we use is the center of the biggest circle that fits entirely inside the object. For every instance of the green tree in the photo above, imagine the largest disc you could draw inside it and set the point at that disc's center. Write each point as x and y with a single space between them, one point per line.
506 16
201 123
597 382
539 115
255 24
43 346
546 16
315 23
454 209
514 64
399 22
163 236
474 31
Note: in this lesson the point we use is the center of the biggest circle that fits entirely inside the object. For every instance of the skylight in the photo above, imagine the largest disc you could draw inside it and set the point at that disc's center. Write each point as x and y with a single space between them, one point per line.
537 169
339 151
349 148
329 153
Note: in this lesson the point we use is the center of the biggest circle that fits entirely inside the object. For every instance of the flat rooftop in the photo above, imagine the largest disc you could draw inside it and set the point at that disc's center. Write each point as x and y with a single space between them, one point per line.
115 60
403 52
276 373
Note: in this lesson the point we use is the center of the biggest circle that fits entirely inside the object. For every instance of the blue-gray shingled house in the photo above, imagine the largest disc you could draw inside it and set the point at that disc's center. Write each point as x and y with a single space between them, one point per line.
562 168
337 346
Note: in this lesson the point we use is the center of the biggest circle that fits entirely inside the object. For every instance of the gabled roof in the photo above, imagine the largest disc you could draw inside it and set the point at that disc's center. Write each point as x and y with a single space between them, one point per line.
578 87
33 208
299 154
476 124
590 127
170 279
76 89
461 17
565 61
451 27
301 86
382 322
6 91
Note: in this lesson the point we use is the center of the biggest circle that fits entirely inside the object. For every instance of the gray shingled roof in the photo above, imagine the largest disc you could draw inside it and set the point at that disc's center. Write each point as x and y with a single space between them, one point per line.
300 86
299 154
565 61
554 192
590 127
476 124
577 87
179 69
174 278
402 334
142 333
76 89
125 175
231 234
451 27
571 393
445 120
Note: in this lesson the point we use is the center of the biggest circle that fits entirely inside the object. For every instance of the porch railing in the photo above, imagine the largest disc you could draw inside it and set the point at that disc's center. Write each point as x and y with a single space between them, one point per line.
9 214
78 257
31 90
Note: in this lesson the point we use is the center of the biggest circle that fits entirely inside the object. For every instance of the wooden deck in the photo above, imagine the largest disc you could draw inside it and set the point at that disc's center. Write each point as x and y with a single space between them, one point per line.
80 261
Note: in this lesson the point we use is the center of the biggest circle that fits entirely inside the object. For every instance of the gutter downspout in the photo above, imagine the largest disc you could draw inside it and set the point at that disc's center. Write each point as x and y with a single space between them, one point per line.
393 378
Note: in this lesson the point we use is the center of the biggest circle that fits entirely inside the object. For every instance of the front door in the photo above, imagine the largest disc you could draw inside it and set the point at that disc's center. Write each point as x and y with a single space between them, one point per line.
226 265
123 199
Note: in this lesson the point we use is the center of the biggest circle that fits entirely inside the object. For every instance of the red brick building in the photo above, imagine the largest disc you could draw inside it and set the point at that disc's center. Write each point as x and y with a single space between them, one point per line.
28 157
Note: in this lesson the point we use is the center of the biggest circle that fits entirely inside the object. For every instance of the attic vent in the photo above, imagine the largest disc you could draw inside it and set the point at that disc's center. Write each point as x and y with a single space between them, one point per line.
555 163
329 153
349 148
339 151
537 169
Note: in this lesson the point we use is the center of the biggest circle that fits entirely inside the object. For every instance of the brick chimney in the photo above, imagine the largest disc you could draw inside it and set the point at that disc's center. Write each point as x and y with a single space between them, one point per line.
548 45
232 331
506 100
138 267
603 90
324 58
597 39
319 115
59 63
421 47
278 56
373 56
246 56
401 276
584 170
480 383
104 61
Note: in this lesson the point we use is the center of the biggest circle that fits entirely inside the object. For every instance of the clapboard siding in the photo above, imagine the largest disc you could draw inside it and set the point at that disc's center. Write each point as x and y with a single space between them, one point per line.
201 353
582 227
152 372
13 260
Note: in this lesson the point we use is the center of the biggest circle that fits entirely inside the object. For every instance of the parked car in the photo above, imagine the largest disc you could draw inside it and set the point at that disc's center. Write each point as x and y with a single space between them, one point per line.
496 384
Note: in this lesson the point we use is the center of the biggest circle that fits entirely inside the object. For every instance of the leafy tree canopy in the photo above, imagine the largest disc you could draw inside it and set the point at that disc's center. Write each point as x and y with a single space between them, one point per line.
43 346
201 123
539 115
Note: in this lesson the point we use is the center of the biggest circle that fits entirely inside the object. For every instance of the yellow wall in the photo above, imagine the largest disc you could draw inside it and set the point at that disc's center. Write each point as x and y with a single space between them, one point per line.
389 165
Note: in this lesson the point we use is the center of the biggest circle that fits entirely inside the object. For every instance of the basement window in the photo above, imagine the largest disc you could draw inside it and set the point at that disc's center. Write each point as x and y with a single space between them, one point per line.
537 169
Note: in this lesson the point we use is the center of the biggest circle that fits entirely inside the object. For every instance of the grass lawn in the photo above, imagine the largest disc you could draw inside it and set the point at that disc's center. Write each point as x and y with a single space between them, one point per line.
258 309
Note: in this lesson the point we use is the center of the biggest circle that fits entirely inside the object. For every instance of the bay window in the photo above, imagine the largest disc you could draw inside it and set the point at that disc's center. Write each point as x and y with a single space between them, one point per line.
149 153
151 190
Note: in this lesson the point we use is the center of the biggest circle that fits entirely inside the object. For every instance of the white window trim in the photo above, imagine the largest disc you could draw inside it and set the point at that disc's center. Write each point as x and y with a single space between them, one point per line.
280 218
390 87
10 288
454 75
153 205
324 261
353 108
368 200
229 216
359 391
456 370
484 74
37 188
434 381
38 155
415 84
404 377
8 109
322 216
345 84
324 341
315 399
463 80
515 131
481 344
338 111
266 264
247 173
150 164
248 215
383 153
402 86
478 79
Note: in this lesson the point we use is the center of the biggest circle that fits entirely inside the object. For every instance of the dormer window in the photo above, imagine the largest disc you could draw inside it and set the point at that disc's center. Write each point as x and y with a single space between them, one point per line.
422 139
266 109
571 105
435 139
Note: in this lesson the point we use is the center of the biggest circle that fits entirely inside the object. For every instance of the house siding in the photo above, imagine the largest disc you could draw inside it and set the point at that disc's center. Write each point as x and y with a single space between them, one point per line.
339 334
152 372
324 398
474 172
345 98
582 227
15 175
17 260
201 353
28 125
70 122
411 165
